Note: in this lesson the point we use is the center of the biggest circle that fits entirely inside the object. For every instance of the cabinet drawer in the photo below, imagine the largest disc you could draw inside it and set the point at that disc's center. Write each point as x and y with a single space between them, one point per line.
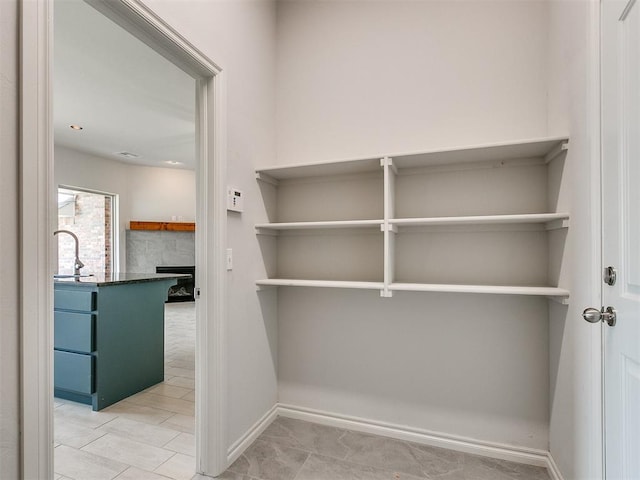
73 371
74 331
82 300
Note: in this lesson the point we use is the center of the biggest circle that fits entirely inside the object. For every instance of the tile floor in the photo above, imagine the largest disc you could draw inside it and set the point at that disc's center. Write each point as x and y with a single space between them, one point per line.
144 437
296 450
150 437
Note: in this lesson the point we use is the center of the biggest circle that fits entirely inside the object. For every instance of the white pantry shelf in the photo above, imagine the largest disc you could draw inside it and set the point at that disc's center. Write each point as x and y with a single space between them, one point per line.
346 185
558 294
489 289
319 169
320 225
285 282
527 218
547 148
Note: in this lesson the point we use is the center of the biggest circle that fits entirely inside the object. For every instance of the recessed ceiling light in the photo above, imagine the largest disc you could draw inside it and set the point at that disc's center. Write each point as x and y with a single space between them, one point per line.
128 154
172 162
75 127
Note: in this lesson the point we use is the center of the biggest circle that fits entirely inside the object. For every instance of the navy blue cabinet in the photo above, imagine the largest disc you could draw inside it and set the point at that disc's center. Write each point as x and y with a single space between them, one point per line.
73 372
74 331
108 338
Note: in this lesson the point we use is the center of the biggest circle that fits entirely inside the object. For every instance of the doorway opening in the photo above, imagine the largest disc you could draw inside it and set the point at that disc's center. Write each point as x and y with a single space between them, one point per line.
131 131
39 220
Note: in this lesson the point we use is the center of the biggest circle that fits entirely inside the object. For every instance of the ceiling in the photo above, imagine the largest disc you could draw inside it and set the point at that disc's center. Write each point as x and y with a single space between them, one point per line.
125 96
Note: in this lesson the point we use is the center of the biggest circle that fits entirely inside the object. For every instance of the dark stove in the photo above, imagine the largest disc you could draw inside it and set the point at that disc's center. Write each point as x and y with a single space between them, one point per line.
184 290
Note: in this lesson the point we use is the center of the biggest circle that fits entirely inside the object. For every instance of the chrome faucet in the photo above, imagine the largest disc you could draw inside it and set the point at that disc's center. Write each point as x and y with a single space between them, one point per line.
77 264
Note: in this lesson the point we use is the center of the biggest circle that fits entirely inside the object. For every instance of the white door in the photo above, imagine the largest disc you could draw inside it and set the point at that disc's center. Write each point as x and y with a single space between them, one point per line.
621 234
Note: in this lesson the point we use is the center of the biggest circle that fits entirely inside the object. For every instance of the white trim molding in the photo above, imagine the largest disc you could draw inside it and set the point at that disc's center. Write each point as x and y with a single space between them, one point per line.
596 442
211 306
552 468
36 295
240 445
501 451
37 225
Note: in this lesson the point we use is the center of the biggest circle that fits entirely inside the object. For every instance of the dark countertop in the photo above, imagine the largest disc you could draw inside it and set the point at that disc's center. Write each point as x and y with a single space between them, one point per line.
119 278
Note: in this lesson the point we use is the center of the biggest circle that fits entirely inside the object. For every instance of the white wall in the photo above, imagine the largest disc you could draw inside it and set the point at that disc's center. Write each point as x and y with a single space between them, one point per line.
240 37
369 78
162 194
575 424
455 364
361 78
9 237
145 193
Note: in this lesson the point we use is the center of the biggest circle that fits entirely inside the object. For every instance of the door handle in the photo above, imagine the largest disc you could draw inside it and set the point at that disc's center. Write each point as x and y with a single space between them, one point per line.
608 315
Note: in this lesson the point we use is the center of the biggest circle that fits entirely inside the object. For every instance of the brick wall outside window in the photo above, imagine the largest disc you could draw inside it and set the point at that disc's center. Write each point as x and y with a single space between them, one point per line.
91 222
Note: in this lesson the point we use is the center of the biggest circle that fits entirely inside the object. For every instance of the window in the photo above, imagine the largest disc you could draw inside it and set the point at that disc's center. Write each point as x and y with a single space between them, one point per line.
90 215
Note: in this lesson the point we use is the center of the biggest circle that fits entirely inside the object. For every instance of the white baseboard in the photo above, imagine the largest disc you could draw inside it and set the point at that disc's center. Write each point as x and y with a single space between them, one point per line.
552 467
240 445
501 451
528 456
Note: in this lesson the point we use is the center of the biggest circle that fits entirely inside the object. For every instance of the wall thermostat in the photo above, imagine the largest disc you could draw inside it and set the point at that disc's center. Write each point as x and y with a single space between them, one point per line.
235 200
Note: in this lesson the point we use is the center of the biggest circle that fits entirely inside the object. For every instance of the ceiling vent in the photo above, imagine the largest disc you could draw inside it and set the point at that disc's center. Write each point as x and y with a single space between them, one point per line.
128 155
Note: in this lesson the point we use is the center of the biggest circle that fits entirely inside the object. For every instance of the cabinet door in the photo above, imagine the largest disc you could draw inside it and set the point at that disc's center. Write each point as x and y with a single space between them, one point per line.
73 372
74 331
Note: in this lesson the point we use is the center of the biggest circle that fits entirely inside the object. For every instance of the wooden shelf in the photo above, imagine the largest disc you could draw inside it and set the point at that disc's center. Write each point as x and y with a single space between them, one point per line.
320 225
527 218
165 226
284 282
547 148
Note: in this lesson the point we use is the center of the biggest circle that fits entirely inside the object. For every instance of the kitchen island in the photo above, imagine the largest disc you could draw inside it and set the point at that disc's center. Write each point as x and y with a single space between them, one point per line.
109 335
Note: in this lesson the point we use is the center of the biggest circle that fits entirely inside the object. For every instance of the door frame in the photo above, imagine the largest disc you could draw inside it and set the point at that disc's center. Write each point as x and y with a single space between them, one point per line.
36 227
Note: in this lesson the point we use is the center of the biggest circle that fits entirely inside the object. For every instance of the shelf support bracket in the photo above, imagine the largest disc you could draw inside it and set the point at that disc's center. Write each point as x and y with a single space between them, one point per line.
267 231
263 177
557 224
563 147
388 161
560 300
265 288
